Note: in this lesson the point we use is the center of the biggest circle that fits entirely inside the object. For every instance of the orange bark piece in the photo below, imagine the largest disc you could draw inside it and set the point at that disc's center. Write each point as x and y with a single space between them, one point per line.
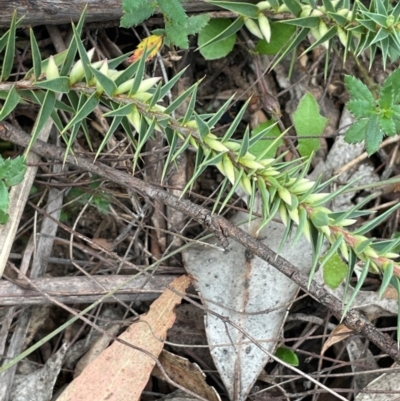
153 43
120 372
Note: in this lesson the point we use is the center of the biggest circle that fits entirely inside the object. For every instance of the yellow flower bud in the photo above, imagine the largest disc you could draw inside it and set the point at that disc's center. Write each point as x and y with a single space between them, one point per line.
253 27
52 69
265 27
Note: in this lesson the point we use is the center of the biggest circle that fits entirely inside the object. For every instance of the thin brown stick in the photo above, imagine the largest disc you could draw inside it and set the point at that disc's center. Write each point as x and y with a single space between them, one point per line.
221 228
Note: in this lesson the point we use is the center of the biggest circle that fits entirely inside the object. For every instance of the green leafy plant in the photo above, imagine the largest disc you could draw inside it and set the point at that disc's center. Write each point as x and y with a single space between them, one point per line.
376 116
133 103
178 26
12 172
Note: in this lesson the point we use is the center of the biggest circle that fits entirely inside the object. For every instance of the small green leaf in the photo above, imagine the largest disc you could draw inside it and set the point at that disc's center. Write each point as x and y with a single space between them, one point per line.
4 197
387 277
36 58
308 121
294 6
12 171
107 83
373 135
280 38
244 9
306 22
196 23
12 100
356 133
4 217
44 114
388 126
136 11
176 34
287 355
9 55
335 271
360 108
218 37
319 218
90 104
58 85
358 90
258 148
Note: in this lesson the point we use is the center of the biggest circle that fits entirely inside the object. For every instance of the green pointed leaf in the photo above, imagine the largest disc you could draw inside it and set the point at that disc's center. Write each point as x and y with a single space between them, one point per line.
58 85
266 148
342 21
377 18
356 133
36 57
44 114
82 53
107 83
203 128
90 104
9 55
306 22
140 72
12 100
326 38
308 121
113 127
235 123
72 48
144 136
317 249
218 37
190 106
172 140
297 39
294 6
244 9
370 225
232 190
356 290
215 117
244 148
180 99
320 218
120 111
387 277
373 135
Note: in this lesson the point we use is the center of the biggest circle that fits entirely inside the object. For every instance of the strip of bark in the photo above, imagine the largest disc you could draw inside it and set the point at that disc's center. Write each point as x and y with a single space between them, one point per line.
55 12
81 290
219 226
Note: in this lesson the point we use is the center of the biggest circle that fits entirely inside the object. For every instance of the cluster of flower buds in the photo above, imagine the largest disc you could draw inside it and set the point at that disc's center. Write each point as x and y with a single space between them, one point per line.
260 27
283 191
295 199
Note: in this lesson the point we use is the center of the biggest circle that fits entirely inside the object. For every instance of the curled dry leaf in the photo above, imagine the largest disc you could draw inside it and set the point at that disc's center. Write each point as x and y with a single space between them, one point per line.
187 374
338 334
121 372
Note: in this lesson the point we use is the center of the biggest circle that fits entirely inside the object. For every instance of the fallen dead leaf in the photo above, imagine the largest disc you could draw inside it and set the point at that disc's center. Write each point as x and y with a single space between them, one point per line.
121 372
339 333
187 374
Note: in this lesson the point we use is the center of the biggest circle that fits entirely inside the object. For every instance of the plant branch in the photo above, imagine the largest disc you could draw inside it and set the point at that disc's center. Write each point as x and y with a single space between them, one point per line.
218 225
